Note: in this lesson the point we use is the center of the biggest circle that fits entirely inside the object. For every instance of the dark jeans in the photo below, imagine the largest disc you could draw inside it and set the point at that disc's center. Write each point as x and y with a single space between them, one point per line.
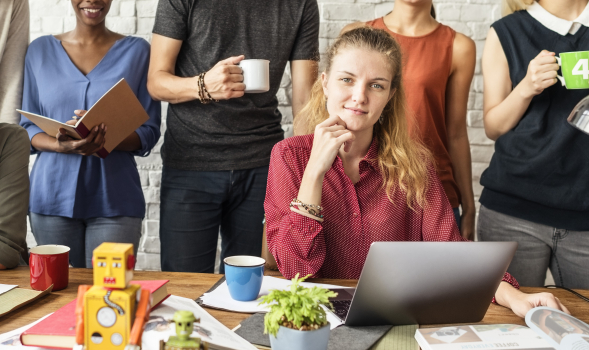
194 204
457 216
84 235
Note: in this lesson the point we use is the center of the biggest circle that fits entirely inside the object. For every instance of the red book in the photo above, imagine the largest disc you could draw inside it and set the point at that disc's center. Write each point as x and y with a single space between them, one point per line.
59 329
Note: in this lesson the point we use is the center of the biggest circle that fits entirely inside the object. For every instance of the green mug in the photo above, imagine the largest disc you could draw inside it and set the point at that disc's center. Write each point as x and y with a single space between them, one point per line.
575 69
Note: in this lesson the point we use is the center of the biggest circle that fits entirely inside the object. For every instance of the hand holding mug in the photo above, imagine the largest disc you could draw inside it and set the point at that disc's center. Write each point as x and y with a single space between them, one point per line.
225 80
330 136
575 69
541 73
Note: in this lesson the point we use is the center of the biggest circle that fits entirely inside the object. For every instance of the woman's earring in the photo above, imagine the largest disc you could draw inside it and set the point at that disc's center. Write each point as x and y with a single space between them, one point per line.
381 119
325 104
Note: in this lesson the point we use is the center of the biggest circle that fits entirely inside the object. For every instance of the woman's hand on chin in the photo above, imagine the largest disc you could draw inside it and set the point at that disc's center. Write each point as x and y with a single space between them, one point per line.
520 303
330 136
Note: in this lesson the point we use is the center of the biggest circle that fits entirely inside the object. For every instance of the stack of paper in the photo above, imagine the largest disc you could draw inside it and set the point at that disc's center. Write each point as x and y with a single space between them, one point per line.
6 287
221 299
12 298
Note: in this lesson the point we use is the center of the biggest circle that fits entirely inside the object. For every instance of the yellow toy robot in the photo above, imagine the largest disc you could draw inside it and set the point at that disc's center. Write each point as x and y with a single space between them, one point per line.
111 313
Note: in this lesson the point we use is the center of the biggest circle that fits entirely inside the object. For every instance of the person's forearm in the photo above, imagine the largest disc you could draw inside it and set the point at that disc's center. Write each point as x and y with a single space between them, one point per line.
164 86
311 187
130 144
303 76
459 150
44 143
506 294
299 100
505 116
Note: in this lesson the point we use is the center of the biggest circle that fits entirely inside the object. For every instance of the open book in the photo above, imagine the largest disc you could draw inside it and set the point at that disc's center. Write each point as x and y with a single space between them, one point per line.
548 329
119 109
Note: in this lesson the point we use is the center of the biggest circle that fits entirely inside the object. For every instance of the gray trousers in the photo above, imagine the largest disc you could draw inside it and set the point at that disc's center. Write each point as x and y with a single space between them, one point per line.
564 252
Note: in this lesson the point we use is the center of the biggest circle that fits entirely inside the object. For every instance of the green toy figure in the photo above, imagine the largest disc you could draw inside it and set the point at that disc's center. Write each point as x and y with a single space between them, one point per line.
182 340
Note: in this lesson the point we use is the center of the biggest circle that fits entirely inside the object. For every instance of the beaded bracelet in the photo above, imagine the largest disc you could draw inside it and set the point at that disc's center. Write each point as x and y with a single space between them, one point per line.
312 209
203 94
304 213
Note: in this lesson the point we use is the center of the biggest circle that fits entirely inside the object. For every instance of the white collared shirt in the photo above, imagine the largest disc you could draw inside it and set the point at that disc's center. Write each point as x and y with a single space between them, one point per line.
556 24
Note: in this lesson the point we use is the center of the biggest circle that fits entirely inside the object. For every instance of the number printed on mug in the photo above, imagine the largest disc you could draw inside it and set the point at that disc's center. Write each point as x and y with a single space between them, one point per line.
581 68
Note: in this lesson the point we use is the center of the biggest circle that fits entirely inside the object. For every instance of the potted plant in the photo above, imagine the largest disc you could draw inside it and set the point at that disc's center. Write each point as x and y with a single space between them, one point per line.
296 319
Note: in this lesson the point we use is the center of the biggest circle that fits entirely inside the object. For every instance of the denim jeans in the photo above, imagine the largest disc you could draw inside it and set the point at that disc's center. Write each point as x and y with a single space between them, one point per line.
457 216
194 204
84 235
540 247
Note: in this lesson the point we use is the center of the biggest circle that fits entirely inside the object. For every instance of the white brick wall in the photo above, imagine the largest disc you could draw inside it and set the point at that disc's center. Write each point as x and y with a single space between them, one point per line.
130 17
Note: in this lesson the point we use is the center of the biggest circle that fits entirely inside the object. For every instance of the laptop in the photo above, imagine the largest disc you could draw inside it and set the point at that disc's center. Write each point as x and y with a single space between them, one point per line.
425 283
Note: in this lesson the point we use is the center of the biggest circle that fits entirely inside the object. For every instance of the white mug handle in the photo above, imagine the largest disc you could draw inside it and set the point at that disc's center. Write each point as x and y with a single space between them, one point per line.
558 60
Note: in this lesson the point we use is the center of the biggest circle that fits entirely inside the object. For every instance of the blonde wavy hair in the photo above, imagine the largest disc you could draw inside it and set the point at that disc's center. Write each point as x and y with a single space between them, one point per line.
403 161
510 6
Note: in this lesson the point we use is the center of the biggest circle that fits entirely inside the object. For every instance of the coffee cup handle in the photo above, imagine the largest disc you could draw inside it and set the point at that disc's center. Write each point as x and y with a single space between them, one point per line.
559 77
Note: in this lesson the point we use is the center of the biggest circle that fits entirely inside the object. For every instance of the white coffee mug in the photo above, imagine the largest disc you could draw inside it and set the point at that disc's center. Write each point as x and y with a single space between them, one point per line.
256 75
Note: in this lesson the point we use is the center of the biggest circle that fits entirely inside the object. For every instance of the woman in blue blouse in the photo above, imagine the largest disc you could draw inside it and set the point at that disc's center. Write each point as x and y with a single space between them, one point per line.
77 199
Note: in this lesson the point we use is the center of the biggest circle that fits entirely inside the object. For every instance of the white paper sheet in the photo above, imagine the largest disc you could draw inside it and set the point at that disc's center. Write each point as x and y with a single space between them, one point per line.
6 287
11 340
221 299
209 329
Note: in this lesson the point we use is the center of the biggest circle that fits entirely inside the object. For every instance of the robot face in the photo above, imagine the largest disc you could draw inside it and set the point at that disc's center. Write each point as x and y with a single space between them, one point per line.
113 265
183 321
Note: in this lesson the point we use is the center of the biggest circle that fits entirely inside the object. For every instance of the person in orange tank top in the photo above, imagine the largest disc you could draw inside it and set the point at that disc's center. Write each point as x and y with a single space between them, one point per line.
438 69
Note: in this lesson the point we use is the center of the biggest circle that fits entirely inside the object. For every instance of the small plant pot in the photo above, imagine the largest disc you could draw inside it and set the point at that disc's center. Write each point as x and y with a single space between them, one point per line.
292 339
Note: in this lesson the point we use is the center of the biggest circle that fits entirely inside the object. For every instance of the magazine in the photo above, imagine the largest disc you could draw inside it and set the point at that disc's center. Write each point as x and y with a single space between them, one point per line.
560 330
209 329
548 329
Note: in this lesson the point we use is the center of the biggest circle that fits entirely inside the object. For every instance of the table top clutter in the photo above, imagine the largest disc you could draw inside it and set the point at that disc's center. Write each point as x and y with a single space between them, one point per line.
193 285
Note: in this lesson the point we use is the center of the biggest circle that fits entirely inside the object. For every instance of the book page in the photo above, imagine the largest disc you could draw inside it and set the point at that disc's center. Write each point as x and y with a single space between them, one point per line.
491 336
209 329
120 110
562 331
50 126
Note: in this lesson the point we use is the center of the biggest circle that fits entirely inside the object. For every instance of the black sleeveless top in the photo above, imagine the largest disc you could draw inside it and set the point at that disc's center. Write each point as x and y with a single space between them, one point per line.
540 169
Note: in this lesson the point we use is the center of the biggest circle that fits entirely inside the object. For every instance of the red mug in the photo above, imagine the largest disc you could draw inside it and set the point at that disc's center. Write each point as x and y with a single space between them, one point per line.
49 265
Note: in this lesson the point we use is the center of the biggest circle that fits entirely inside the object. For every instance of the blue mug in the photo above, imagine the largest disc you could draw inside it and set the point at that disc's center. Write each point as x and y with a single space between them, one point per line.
244 275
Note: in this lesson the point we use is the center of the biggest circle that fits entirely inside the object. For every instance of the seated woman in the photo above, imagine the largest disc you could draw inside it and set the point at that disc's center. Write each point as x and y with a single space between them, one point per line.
77 199
359 178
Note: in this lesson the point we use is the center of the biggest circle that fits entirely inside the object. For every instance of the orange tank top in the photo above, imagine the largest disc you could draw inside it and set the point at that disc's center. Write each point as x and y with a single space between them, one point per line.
427 62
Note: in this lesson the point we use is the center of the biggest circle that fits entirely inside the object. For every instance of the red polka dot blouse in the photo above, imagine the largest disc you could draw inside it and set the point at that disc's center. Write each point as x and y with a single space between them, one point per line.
355 215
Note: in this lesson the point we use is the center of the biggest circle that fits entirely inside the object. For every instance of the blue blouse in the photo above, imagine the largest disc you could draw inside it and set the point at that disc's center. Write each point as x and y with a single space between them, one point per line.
77 186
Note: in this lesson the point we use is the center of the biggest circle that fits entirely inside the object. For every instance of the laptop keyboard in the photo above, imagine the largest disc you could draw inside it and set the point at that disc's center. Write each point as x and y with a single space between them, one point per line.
341 308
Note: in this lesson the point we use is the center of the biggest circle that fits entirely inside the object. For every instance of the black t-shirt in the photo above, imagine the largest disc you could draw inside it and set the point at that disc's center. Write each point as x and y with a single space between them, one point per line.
540 169
237 133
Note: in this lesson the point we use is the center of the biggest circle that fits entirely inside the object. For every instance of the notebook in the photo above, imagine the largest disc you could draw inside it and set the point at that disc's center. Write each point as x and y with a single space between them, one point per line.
119 110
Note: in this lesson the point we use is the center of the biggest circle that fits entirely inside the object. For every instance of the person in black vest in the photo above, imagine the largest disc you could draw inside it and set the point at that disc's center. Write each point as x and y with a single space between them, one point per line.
536 188
216 152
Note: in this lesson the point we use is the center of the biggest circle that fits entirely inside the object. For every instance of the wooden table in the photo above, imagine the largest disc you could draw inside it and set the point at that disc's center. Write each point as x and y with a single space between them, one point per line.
193 285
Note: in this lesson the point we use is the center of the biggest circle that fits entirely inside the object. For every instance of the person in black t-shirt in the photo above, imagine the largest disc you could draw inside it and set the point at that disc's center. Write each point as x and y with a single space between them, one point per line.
537 184
216 155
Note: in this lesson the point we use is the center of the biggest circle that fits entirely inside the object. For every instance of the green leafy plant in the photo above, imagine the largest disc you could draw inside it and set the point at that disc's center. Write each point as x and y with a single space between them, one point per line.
297 308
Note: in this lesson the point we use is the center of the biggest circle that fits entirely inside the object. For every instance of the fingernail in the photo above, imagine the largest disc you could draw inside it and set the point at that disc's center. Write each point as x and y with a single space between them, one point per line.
96 128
